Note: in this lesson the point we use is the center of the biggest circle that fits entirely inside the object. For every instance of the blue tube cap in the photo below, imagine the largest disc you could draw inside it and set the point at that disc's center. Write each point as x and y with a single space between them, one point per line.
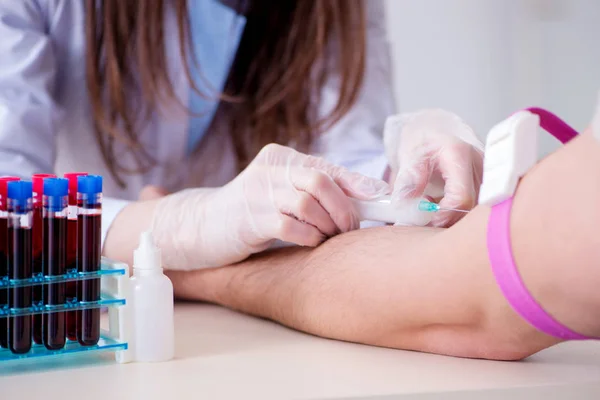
20 191
89 184
56 187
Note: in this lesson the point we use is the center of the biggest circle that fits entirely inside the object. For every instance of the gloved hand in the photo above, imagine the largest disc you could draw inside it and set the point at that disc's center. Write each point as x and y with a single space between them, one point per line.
433 153
283 194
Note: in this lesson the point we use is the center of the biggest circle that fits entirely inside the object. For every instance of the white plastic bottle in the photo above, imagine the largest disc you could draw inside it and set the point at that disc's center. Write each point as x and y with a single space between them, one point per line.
152 301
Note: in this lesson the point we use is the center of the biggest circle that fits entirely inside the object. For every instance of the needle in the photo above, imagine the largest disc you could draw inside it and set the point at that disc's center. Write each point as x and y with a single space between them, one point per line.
429 206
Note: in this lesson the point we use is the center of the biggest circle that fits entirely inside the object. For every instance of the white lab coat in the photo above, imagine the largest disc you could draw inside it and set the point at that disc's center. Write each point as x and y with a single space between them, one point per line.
46 124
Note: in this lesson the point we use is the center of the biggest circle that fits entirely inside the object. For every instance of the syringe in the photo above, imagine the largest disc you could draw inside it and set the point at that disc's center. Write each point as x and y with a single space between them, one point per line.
414 212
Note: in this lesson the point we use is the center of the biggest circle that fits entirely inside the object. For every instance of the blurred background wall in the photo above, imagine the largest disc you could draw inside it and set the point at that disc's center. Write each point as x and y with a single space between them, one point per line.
484 59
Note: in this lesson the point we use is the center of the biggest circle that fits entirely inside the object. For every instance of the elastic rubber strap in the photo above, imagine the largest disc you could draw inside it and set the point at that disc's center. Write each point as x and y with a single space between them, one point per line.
510 282
554 125
501 257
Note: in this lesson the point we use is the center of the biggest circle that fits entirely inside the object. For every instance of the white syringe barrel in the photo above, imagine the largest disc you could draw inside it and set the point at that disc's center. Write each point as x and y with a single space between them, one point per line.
382 210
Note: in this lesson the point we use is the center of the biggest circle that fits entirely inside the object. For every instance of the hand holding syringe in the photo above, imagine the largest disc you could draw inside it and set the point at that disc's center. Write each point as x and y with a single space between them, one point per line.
414 212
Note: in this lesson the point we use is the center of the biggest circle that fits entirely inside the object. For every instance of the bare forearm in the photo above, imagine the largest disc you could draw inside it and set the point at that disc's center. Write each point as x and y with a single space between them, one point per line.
392 287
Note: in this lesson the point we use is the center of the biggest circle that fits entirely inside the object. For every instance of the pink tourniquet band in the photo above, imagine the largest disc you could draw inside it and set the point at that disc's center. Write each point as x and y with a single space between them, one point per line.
510 282
554 125
501 256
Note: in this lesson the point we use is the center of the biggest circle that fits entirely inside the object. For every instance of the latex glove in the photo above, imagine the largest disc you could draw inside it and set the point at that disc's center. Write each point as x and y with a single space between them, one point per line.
433 153
283 194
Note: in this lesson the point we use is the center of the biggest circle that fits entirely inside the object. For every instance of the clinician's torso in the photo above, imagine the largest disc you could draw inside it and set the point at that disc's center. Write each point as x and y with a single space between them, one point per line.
171 135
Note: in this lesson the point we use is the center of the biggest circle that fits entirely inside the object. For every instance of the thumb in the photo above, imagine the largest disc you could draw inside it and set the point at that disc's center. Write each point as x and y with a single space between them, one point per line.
411 182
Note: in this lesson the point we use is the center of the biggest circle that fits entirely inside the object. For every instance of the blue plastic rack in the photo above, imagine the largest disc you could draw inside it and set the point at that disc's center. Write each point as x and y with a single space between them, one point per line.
114 278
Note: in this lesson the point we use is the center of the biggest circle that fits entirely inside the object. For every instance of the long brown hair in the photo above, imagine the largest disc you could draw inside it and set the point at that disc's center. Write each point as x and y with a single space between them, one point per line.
273 86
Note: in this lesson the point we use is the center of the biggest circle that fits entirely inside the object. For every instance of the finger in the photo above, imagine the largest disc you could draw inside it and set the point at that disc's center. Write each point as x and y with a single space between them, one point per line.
352 184
457 170
306 208
276 154
361 187
412 182
329 195
151 192
293 231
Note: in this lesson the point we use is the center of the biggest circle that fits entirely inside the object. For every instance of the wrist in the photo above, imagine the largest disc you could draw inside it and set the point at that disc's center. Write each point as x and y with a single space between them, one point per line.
206 285
168 223
192 229
122 237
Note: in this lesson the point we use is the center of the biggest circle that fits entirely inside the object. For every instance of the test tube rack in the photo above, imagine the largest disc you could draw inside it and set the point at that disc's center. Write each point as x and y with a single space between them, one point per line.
114 278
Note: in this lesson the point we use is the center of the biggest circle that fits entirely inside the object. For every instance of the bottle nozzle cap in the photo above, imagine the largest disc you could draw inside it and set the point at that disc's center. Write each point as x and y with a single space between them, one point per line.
147 255
146 240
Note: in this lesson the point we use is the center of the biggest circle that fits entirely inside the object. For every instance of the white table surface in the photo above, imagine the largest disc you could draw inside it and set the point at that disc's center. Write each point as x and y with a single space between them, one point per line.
225 355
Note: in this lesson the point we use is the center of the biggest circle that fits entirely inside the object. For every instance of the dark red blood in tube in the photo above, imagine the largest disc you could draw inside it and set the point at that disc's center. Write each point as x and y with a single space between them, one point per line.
3 255
71 287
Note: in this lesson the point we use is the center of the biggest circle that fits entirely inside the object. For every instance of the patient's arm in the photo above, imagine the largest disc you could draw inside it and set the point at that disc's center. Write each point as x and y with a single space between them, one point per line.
433 290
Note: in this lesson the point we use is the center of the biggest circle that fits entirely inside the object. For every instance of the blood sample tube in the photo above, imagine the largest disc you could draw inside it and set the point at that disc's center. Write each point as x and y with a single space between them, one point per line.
54 258
36 239
71 287
89 219
3 256
19 262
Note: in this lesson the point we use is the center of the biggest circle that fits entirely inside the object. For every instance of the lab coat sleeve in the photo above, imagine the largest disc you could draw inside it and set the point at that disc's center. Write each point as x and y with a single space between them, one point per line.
111 207
28 111
356 140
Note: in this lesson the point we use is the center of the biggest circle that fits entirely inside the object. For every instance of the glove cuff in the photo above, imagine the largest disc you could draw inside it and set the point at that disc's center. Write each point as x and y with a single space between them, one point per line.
169 220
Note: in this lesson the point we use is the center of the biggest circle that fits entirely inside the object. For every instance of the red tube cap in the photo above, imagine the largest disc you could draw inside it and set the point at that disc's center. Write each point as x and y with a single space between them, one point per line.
72 177
4 188
38 185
